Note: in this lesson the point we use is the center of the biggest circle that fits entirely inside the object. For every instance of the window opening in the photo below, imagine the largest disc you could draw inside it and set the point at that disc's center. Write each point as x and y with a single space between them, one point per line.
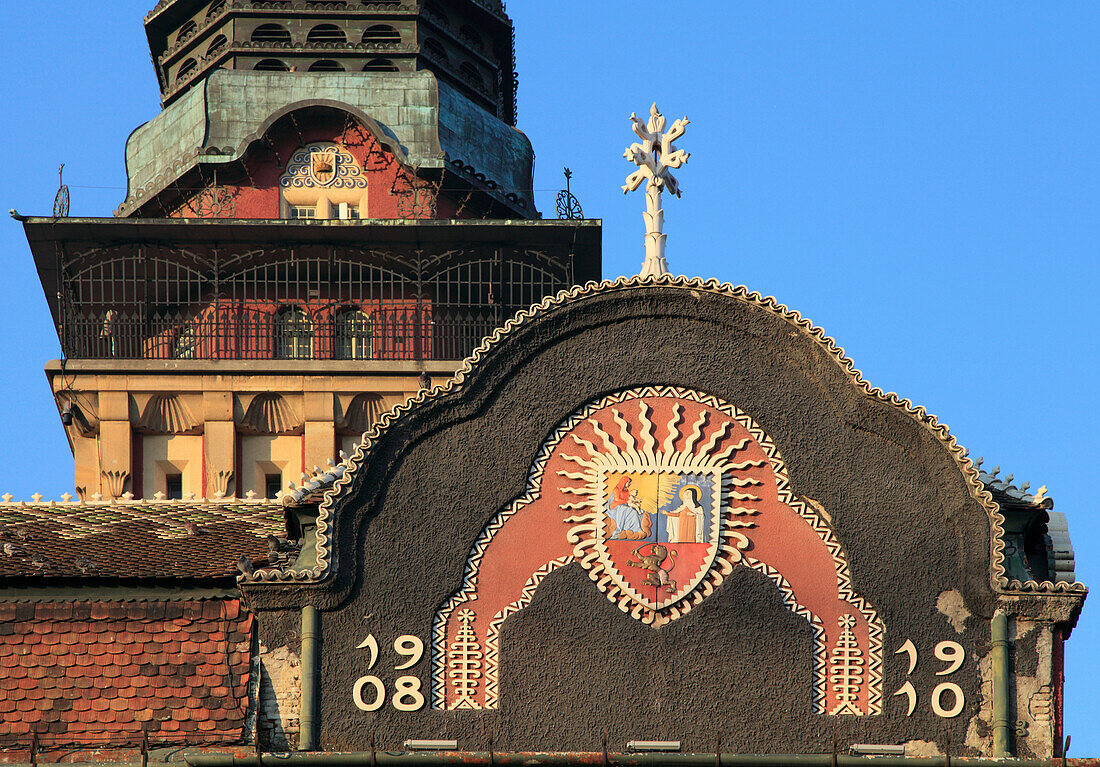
271 65
326 33
184 346
354 333
326 65
217 45
470 35
435 50
173 487
381 33
185 70
293 334
186 31
273 485
380 65
303 211
270 33
471 75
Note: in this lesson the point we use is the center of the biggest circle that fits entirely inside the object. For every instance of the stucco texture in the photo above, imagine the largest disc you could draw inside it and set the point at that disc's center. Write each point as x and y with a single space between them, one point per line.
736 672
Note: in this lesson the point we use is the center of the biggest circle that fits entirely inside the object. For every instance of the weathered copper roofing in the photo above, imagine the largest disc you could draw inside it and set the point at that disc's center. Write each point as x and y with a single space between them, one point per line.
200 539
105 673
424 122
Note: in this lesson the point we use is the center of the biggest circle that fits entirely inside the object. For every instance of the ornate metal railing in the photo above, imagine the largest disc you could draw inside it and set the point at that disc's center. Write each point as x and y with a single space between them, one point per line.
162 303
390 334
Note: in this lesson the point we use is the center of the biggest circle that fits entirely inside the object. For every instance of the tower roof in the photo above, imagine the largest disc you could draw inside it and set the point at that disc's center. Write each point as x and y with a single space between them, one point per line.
466 43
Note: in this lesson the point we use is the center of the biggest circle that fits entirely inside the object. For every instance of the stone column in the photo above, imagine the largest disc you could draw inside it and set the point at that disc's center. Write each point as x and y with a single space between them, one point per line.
115 445
320 431
219 444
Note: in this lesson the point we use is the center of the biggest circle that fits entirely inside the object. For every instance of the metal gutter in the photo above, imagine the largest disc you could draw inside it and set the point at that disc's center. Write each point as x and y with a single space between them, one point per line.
1002 719
307 736
593 758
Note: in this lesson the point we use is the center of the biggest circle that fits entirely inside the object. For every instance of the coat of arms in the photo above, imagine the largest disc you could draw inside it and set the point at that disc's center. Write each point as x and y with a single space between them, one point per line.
658 531
322 166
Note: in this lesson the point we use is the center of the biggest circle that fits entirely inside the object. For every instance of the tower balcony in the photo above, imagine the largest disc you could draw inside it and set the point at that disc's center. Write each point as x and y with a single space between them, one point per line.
223 289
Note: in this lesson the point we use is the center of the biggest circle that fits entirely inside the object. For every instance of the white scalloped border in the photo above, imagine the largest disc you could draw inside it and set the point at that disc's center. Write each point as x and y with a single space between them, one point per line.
326 554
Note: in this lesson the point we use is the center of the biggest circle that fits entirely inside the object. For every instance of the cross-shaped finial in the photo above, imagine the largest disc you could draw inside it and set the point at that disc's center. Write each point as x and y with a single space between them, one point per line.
655 157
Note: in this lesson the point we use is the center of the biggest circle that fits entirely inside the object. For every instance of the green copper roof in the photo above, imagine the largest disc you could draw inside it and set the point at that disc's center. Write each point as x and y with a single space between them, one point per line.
422 121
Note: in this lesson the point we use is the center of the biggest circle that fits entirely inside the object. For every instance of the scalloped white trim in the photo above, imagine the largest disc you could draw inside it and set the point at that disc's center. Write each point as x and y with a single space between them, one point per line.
326 555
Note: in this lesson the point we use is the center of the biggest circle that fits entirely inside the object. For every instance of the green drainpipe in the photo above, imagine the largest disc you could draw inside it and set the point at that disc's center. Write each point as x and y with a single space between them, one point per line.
307 740
588 759
1002 721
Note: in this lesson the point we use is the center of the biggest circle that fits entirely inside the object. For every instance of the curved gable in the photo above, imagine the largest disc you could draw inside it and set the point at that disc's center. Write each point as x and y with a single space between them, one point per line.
845 525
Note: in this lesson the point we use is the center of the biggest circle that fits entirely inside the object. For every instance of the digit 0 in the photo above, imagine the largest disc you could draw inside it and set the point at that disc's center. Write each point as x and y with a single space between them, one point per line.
379 693
407 695
937 700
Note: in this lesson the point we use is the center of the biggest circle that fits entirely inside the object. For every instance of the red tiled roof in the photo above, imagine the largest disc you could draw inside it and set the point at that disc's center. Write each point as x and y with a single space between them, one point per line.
102 673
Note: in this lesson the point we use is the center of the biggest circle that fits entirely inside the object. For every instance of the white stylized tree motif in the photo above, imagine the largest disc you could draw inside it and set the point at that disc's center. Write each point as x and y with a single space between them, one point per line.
846 669
655 156
464 663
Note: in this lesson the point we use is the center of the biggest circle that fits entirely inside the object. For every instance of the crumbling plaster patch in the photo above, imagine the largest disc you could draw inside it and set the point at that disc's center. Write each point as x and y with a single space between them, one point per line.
923 748
951 604
280 696
1034 693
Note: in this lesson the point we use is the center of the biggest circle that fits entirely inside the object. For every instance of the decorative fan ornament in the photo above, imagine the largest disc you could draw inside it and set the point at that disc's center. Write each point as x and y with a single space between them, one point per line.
568 205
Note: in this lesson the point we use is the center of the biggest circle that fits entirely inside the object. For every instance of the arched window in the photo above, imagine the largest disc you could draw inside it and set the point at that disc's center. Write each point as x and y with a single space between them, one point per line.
381 33
435 50
186 69
354 334
434 9
380 65
214 9
293 334
184 345
270 33
470 35
271 65
217 45
326 65
326 33
471 75
186 31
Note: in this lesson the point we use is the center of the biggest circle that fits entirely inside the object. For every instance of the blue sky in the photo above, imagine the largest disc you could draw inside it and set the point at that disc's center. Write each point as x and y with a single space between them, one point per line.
919 179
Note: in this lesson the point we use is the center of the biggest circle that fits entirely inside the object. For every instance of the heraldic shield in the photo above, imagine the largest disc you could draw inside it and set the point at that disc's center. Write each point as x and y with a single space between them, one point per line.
322 166
658 530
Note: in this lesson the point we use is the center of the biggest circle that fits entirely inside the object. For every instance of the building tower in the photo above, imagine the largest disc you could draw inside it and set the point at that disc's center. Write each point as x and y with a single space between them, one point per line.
333 204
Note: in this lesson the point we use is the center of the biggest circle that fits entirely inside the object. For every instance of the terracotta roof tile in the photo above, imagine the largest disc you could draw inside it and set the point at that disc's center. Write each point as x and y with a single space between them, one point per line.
107 681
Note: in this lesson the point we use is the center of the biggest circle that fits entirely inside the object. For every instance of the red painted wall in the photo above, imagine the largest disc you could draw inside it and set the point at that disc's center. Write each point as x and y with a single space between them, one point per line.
391 186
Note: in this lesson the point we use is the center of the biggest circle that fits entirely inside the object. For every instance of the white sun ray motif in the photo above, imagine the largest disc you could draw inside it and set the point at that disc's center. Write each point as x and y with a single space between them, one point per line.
667 439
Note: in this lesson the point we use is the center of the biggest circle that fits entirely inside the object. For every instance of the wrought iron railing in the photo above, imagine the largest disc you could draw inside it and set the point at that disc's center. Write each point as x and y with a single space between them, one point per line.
225 333
161 301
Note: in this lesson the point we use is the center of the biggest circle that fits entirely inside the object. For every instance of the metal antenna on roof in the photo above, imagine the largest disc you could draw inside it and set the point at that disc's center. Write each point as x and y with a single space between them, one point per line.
569 207
61 201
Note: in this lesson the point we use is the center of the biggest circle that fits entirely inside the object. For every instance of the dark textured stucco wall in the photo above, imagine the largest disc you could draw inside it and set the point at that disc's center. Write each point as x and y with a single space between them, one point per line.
737 669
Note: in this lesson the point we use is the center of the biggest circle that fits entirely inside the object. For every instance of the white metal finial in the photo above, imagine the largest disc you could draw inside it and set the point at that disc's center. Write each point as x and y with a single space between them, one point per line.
655 158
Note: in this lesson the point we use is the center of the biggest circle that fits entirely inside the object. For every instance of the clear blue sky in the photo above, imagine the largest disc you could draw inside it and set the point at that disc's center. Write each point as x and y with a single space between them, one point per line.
920 179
